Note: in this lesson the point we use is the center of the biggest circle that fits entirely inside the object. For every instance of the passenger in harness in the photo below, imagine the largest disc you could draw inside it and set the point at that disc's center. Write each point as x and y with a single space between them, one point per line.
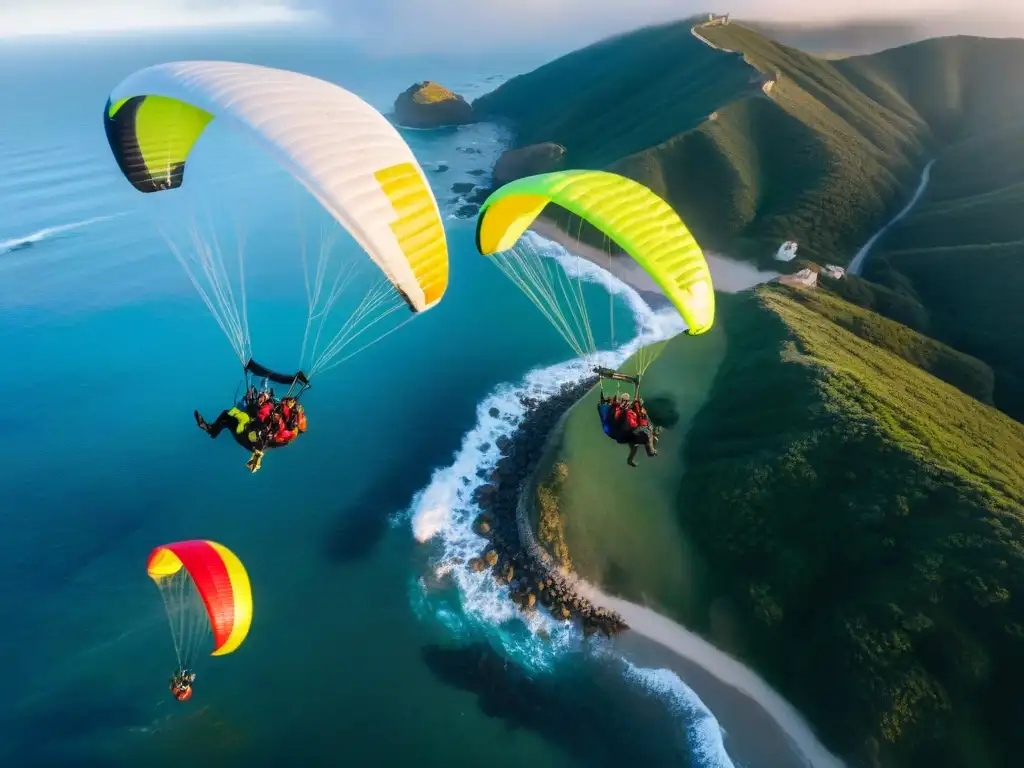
181 684
624 422
258 421
640 432
609 411
250 424
288 421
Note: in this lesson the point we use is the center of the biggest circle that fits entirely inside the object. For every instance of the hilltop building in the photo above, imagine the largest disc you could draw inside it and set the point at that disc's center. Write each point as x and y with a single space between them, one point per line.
787 251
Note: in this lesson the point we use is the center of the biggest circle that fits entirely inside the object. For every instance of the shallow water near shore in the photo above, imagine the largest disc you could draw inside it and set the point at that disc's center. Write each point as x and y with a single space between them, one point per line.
365 646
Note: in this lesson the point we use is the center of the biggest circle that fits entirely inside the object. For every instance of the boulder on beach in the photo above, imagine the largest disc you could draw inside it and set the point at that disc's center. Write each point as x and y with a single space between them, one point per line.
527 161
430 105
483 524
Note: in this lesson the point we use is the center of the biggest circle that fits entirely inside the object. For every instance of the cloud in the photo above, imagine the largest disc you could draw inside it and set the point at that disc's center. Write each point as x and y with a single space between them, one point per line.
427 26
43 18
415 26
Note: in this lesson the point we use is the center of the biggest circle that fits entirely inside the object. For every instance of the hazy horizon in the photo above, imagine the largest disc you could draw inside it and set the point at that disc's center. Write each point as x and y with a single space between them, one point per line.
404 26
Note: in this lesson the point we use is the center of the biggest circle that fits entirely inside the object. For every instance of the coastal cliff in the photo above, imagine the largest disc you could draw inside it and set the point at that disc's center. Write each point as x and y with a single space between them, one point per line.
819 512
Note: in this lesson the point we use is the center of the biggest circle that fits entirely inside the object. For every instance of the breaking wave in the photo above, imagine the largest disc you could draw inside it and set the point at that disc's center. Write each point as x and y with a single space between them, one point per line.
25 241
443 513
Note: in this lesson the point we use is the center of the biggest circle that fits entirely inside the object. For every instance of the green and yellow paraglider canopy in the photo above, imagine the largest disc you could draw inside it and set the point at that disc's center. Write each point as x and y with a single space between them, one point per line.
628 213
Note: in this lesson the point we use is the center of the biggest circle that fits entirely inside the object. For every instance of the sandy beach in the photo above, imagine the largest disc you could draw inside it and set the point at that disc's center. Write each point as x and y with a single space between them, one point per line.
741 701
727 274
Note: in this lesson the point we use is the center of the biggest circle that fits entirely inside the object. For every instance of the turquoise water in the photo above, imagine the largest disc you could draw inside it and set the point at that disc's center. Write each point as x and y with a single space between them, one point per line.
106 349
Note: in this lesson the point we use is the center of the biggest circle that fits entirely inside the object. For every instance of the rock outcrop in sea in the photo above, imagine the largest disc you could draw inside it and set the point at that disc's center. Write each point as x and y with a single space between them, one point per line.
511 553
527 161
470 197
430 105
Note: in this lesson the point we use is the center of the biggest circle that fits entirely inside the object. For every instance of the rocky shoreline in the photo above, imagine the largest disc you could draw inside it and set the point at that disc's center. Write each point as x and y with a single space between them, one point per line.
514 557
428 105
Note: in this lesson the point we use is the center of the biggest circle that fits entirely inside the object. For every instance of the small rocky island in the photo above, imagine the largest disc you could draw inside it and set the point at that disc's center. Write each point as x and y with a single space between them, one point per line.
531 573
430 105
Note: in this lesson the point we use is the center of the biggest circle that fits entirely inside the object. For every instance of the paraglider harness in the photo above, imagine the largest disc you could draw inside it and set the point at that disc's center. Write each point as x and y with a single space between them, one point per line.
297 383
181 684
608 373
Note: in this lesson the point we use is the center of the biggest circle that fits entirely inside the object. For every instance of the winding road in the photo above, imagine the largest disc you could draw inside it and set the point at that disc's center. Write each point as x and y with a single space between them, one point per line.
858 261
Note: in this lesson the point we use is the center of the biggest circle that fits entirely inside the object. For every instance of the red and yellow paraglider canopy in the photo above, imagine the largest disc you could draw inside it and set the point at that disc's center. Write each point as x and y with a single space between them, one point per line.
220 580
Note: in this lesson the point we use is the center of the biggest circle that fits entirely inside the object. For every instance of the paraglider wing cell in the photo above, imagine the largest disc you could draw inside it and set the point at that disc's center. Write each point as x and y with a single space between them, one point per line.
349 157
151 138
221 581
639 221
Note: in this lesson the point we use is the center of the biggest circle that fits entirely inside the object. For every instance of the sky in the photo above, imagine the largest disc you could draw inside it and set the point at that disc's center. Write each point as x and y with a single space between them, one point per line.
424 26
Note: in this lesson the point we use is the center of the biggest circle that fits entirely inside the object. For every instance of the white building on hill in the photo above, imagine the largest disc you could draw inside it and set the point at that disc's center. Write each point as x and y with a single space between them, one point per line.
831 270
786 252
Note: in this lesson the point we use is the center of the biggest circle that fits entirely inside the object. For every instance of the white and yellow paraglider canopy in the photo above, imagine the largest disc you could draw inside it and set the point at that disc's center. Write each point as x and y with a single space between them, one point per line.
339 147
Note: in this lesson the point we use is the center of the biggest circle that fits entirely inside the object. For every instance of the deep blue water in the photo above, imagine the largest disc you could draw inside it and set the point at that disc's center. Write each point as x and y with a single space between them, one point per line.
105 350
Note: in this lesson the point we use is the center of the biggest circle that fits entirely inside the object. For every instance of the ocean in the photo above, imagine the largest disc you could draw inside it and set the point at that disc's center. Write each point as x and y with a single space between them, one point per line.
368 645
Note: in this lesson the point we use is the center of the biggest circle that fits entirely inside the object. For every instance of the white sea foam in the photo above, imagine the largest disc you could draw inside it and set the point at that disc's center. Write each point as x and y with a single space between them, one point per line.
444 511
704 734
15 243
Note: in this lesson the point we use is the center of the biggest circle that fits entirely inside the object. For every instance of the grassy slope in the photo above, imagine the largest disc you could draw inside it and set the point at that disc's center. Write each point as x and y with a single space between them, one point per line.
817 161
826 159
860 522
966 373
961 252
432 93
621 95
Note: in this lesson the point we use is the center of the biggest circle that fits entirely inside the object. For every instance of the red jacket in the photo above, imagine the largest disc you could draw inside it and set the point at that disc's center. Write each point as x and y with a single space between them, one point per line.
631 419
284 436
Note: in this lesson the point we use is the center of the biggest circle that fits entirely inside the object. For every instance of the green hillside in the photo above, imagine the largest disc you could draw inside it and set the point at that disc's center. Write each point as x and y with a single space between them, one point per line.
621 95
824 155
966 373
960 253
850 525
812 158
